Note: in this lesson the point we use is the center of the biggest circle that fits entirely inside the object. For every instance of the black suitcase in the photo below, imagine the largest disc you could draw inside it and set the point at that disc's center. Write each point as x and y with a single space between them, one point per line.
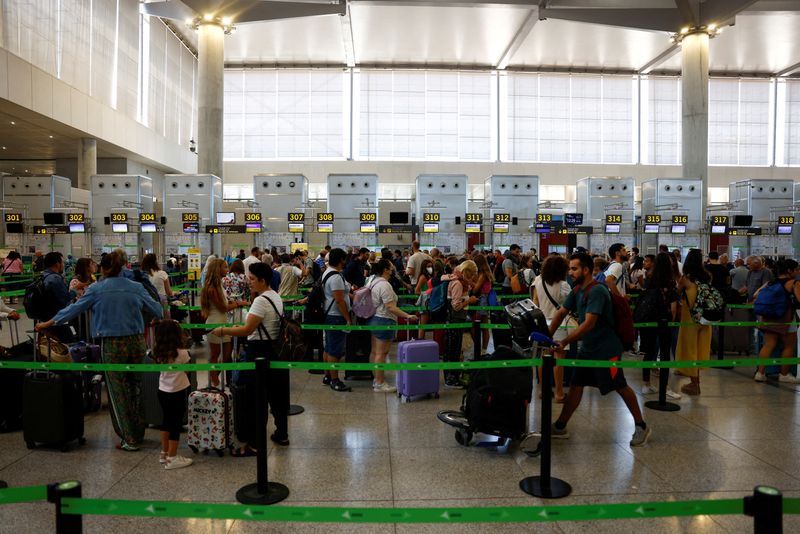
11 381
357 349
196 317
500 337
525 318
241 411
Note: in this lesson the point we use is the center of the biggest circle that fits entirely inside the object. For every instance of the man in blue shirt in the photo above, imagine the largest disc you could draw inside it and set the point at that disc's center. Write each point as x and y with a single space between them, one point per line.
598 341
58 293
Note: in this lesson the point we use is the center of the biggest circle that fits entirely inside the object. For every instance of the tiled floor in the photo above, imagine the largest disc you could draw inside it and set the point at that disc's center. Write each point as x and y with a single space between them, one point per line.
368 449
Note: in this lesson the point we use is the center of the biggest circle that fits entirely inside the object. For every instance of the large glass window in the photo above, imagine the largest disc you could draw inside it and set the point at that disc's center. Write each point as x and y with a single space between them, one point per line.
739 119
662 125
290 114
790 127
424 115
562 118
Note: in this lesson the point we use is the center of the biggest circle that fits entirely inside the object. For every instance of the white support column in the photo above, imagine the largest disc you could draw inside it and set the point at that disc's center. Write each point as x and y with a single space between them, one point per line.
211 48
694 91
87 162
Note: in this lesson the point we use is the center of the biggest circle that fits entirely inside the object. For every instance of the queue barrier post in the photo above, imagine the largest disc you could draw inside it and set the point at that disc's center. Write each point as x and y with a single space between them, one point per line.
476 339
65 523
546 486
721 336
661 405
262 491
765 506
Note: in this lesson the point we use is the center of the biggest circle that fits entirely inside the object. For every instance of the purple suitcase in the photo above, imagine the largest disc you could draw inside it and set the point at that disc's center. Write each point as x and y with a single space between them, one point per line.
412 384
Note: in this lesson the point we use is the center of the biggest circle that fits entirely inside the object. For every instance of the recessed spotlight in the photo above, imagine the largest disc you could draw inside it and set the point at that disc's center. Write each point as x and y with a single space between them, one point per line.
13 123
4 148
226 21
208 17
51 137
685 30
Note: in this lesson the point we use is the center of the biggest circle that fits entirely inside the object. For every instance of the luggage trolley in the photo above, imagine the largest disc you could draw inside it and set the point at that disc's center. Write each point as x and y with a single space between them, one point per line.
496 400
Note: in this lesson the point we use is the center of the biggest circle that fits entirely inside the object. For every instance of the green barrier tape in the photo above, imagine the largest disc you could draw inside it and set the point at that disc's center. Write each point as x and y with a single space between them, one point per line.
18 293
683 364
494 514
209 326
293 297
449 326
17 281
791 506
149 367
25 494
190 308
739 306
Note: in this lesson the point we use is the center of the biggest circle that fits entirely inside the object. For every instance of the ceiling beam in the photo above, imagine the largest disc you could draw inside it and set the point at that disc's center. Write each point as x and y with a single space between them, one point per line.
449 3
519 38
658 19
788 71
659 59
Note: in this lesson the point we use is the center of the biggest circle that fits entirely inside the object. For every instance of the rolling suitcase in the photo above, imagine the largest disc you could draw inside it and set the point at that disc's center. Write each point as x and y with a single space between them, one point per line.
153 414
525 318
211 419
405 335
11 381
52 409
412 384
500 337
738 339
357 350
196 317
91 382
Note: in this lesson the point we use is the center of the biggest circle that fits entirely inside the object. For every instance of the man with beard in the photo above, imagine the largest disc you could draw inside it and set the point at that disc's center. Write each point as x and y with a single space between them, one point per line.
511 265
598 341
615 273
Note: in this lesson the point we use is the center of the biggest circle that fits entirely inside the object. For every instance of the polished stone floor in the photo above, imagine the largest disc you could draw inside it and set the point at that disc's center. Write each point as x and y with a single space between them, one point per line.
368 449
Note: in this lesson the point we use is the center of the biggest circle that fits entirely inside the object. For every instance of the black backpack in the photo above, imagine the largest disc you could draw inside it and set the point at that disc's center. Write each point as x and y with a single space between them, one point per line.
138 276
315 311
38 305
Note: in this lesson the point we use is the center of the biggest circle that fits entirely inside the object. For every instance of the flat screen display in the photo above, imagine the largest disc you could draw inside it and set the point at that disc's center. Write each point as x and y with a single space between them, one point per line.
53 218
398 217
557 249
500 228
367 228
147 228
252 227
325 228
742 220
77 228
473 228
119 228
14 228
226 218
572 219
719 229
784 229
296 228
678 228
612 228
651 228
191 227
430 228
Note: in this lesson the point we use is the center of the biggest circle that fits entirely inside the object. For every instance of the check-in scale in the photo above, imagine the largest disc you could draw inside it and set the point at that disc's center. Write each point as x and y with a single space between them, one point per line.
441 205
671 215
191 202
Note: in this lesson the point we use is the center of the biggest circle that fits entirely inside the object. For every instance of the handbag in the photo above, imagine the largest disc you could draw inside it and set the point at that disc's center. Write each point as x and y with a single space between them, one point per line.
52 349
518 283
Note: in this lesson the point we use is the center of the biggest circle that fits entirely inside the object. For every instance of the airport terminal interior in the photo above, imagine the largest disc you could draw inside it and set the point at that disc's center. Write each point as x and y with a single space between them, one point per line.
472 154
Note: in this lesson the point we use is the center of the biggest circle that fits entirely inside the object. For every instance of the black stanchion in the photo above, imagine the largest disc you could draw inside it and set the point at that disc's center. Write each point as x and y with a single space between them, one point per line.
3 484
65 523
544 485
721 338
661 404
476 339
765 506
262 491
296 409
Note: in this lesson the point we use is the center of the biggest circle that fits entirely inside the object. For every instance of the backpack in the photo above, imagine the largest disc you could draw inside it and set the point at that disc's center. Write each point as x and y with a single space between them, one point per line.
291 344
600 277
36 301
438 299
650 307
316 271
315 311
708 304
771 300
363 305
623 317
139 277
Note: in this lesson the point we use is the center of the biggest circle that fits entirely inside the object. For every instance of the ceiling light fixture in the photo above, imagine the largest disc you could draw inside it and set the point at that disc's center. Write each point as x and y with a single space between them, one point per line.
13 123
51 137
208 17
711 30
226 21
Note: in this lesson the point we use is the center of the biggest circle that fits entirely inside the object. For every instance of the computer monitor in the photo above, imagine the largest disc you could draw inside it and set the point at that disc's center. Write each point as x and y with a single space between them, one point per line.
719 229
77 228
252 227
678 228
325 228
612 228
398 217
500 228
297 227
473 228
225 217
784 229
54 218
651 228
191 227
742 221
430 228
368 228
15 228
147 228
119 228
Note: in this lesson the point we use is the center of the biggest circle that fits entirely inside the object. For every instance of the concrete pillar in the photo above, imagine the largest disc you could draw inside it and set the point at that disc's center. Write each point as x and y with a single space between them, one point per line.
694 91
210 87
87 162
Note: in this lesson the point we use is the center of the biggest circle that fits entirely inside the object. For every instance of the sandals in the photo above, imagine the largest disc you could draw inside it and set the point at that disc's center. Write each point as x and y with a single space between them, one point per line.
691 389
243 452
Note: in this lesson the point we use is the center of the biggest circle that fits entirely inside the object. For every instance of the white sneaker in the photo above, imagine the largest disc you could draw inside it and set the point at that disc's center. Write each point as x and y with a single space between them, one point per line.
647 389
176 462
788 379
162 458
383 387
760 377
674 395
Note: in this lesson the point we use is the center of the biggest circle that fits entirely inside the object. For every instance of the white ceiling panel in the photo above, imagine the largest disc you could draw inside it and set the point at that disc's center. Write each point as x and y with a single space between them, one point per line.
444 35
301 41
556 43
757 43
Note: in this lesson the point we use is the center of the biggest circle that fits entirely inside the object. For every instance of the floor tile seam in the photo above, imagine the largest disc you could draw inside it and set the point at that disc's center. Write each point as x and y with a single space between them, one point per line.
124 475
25 455
794 476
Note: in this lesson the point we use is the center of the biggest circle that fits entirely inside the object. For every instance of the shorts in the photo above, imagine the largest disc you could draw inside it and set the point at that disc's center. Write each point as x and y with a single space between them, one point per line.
335 340
383 335
604 379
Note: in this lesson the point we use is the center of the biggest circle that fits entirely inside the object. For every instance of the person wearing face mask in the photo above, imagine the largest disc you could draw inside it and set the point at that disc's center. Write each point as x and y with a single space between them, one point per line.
481 289
459 299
